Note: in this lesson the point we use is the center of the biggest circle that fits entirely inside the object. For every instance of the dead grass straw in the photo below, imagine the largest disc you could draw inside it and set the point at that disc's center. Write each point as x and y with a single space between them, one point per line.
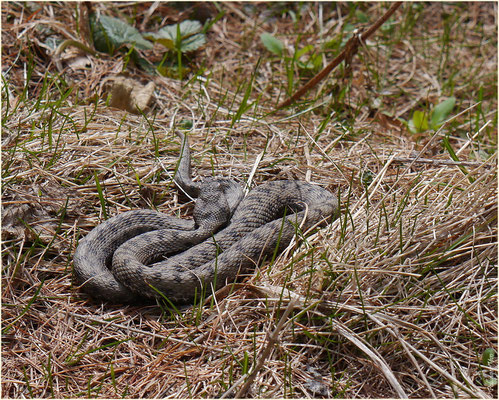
397 297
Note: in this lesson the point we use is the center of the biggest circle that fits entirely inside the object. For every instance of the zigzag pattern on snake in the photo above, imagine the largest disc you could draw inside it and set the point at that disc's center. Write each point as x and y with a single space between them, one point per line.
139 254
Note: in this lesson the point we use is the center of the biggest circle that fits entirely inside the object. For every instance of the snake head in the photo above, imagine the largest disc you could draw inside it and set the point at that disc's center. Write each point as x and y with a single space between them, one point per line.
212 210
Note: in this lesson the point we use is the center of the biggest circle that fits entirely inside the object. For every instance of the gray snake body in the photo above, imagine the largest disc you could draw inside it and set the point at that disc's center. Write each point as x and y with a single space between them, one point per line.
140 254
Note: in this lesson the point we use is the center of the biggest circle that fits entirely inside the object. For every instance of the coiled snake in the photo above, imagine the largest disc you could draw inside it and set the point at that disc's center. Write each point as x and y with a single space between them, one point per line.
143 253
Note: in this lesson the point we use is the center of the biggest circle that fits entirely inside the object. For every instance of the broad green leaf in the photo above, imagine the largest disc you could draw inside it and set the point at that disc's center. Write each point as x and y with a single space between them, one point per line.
441 112
304 50
272 44
186 124
489 382
419 122
193 42
313 63
99 36
155 37
190 37
110 33
308 64
187 27
317 61
366 178
488 356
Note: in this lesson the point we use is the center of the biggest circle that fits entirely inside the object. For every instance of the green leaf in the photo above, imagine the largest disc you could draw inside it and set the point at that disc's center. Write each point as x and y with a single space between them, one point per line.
155 37
99 36
447 146
304 51
101 195
441 112
366 178
490 382
210 22
186 124
193 42
190 37
120 33
272 44
312 64
419 122
110 33
488 356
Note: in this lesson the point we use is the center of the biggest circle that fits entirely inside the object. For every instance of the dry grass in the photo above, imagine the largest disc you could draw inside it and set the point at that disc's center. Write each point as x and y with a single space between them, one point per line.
397 297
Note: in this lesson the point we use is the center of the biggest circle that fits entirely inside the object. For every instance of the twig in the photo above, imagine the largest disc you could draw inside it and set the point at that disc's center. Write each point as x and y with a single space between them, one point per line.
348 52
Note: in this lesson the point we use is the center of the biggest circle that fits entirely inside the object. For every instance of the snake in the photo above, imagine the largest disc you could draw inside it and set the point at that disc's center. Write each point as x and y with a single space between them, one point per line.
144 254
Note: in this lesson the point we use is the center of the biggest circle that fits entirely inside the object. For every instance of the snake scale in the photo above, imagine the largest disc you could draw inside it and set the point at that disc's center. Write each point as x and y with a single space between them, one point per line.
143 254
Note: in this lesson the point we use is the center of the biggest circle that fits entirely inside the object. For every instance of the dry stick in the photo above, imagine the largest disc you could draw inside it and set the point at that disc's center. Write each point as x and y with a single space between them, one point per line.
348 52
